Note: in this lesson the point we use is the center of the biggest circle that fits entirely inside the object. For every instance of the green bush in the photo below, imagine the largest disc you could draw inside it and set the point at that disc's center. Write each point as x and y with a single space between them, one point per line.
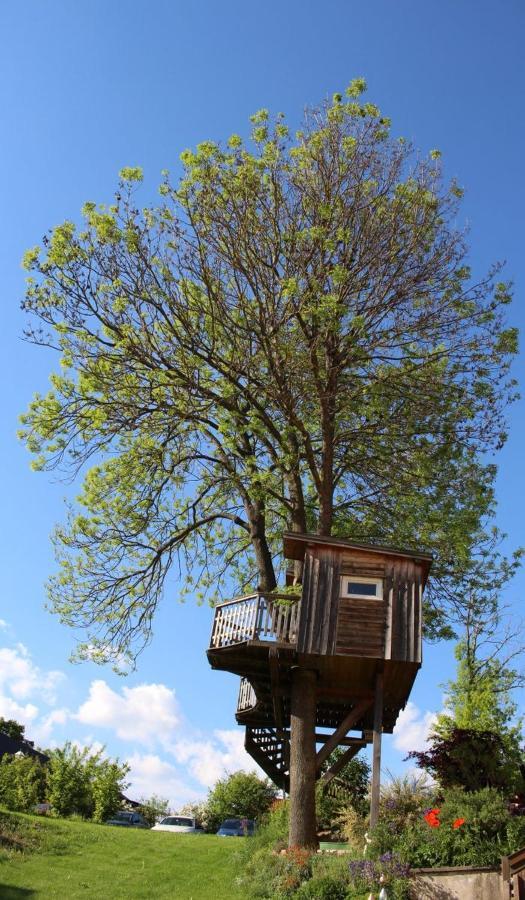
241 795
366 876
82 782
466 829
22 782
324 887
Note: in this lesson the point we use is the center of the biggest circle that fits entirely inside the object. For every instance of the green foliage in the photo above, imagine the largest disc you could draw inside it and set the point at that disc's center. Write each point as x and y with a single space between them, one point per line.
83 782
323 887
240 795
487 833
277 875
14 729
471 759
343 373
154 808
22 782
482 696
198 811
402 799
107 781
349 788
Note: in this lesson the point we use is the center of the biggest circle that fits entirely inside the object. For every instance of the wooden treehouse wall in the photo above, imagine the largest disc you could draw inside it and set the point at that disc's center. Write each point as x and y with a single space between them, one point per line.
389 628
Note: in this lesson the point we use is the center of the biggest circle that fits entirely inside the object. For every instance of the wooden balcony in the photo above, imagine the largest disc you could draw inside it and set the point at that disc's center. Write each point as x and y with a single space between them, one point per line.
247 699
257 617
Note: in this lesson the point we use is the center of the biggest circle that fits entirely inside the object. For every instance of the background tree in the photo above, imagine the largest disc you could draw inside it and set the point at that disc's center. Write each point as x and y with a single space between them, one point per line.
240 795
14 729
291 339
350 789
22 782
82 781
154 808
107 784
472 759
478 738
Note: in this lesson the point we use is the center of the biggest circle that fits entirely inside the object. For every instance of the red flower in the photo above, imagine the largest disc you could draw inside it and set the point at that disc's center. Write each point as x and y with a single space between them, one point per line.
457 823
431 818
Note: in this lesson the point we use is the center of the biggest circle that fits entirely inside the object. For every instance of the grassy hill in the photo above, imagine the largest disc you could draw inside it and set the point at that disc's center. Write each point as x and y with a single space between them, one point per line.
47 858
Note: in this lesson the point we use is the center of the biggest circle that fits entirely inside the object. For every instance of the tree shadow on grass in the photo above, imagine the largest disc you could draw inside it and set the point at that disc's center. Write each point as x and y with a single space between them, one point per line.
9 892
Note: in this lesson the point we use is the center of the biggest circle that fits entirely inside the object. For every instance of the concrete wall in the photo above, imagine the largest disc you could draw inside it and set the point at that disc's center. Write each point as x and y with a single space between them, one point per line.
458 883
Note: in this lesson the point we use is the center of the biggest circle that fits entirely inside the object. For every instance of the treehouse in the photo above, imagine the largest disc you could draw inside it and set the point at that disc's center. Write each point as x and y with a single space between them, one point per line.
347 648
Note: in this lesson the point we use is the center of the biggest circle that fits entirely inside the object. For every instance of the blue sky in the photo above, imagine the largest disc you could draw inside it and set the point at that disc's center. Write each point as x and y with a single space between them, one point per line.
86 89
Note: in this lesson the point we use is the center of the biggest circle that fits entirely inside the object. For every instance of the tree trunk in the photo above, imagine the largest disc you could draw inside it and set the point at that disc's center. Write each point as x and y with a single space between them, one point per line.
263 557
298 522
303 831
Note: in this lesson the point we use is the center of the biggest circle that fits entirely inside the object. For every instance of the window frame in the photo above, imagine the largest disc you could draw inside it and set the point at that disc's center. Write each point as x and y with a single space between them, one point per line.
361 579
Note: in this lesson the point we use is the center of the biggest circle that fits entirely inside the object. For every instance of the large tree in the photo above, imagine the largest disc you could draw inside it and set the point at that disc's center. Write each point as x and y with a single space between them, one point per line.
290 339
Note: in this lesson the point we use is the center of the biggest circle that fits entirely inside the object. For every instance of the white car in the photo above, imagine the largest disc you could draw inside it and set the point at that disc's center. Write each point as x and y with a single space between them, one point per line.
180 824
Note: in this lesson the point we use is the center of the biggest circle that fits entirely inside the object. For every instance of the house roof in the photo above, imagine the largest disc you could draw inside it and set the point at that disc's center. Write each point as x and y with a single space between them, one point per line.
9 746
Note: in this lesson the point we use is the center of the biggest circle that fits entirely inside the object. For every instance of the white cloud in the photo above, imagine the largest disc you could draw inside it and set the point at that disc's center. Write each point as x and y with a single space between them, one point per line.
149 774
20 677
147 714
209 760
4 626
41 731
413 728
10 709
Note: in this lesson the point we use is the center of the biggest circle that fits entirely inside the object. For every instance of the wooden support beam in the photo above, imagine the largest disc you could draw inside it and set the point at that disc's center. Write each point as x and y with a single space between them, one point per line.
341 762
344 742
376 752
277 700
335 739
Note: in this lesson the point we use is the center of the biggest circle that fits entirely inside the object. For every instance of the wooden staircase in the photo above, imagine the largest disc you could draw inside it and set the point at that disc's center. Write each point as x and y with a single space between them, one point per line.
270 748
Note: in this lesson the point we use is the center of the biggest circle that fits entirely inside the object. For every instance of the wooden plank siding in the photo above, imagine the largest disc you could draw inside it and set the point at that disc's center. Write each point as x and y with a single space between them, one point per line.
319 604
361 627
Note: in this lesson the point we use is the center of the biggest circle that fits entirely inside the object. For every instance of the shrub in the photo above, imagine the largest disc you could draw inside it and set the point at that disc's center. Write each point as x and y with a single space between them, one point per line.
22 782
242 794
154 808
324 887
353 827
106 788
82 782
366 875
471 759
466 828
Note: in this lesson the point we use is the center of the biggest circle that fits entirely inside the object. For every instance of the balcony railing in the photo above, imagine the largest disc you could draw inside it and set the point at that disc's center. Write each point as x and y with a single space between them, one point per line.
256 617
247 697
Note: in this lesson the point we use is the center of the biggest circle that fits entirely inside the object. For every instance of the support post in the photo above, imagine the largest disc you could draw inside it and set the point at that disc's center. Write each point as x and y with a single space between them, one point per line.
303 832
376 750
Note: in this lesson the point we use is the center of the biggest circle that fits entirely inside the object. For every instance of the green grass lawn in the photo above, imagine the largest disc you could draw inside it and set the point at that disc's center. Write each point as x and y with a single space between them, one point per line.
70 859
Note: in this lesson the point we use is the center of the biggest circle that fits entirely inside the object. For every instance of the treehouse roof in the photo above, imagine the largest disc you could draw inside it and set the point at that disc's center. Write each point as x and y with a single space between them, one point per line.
295 546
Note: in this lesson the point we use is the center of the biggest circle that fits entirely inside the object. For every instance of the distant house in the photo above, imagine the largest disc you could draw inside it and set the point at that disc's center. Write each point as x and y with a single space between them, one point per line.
11 746
129 804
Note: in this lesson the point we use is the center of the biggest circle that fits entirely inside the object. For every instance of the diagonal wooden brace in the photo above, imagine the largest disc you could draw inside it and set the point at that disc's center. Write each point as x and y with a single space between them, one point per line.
342 761
349 720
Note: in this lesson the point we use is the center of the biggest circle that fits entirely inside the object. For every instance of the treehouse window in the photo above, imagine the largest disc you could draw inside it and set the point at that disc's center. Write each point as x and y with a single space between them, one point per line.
362 588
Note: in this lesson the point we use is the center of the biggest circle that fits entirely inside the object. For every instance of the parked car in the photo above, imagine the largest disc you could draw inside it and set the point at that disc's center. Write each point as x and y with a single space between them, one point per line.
128 820
180 824
237 828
